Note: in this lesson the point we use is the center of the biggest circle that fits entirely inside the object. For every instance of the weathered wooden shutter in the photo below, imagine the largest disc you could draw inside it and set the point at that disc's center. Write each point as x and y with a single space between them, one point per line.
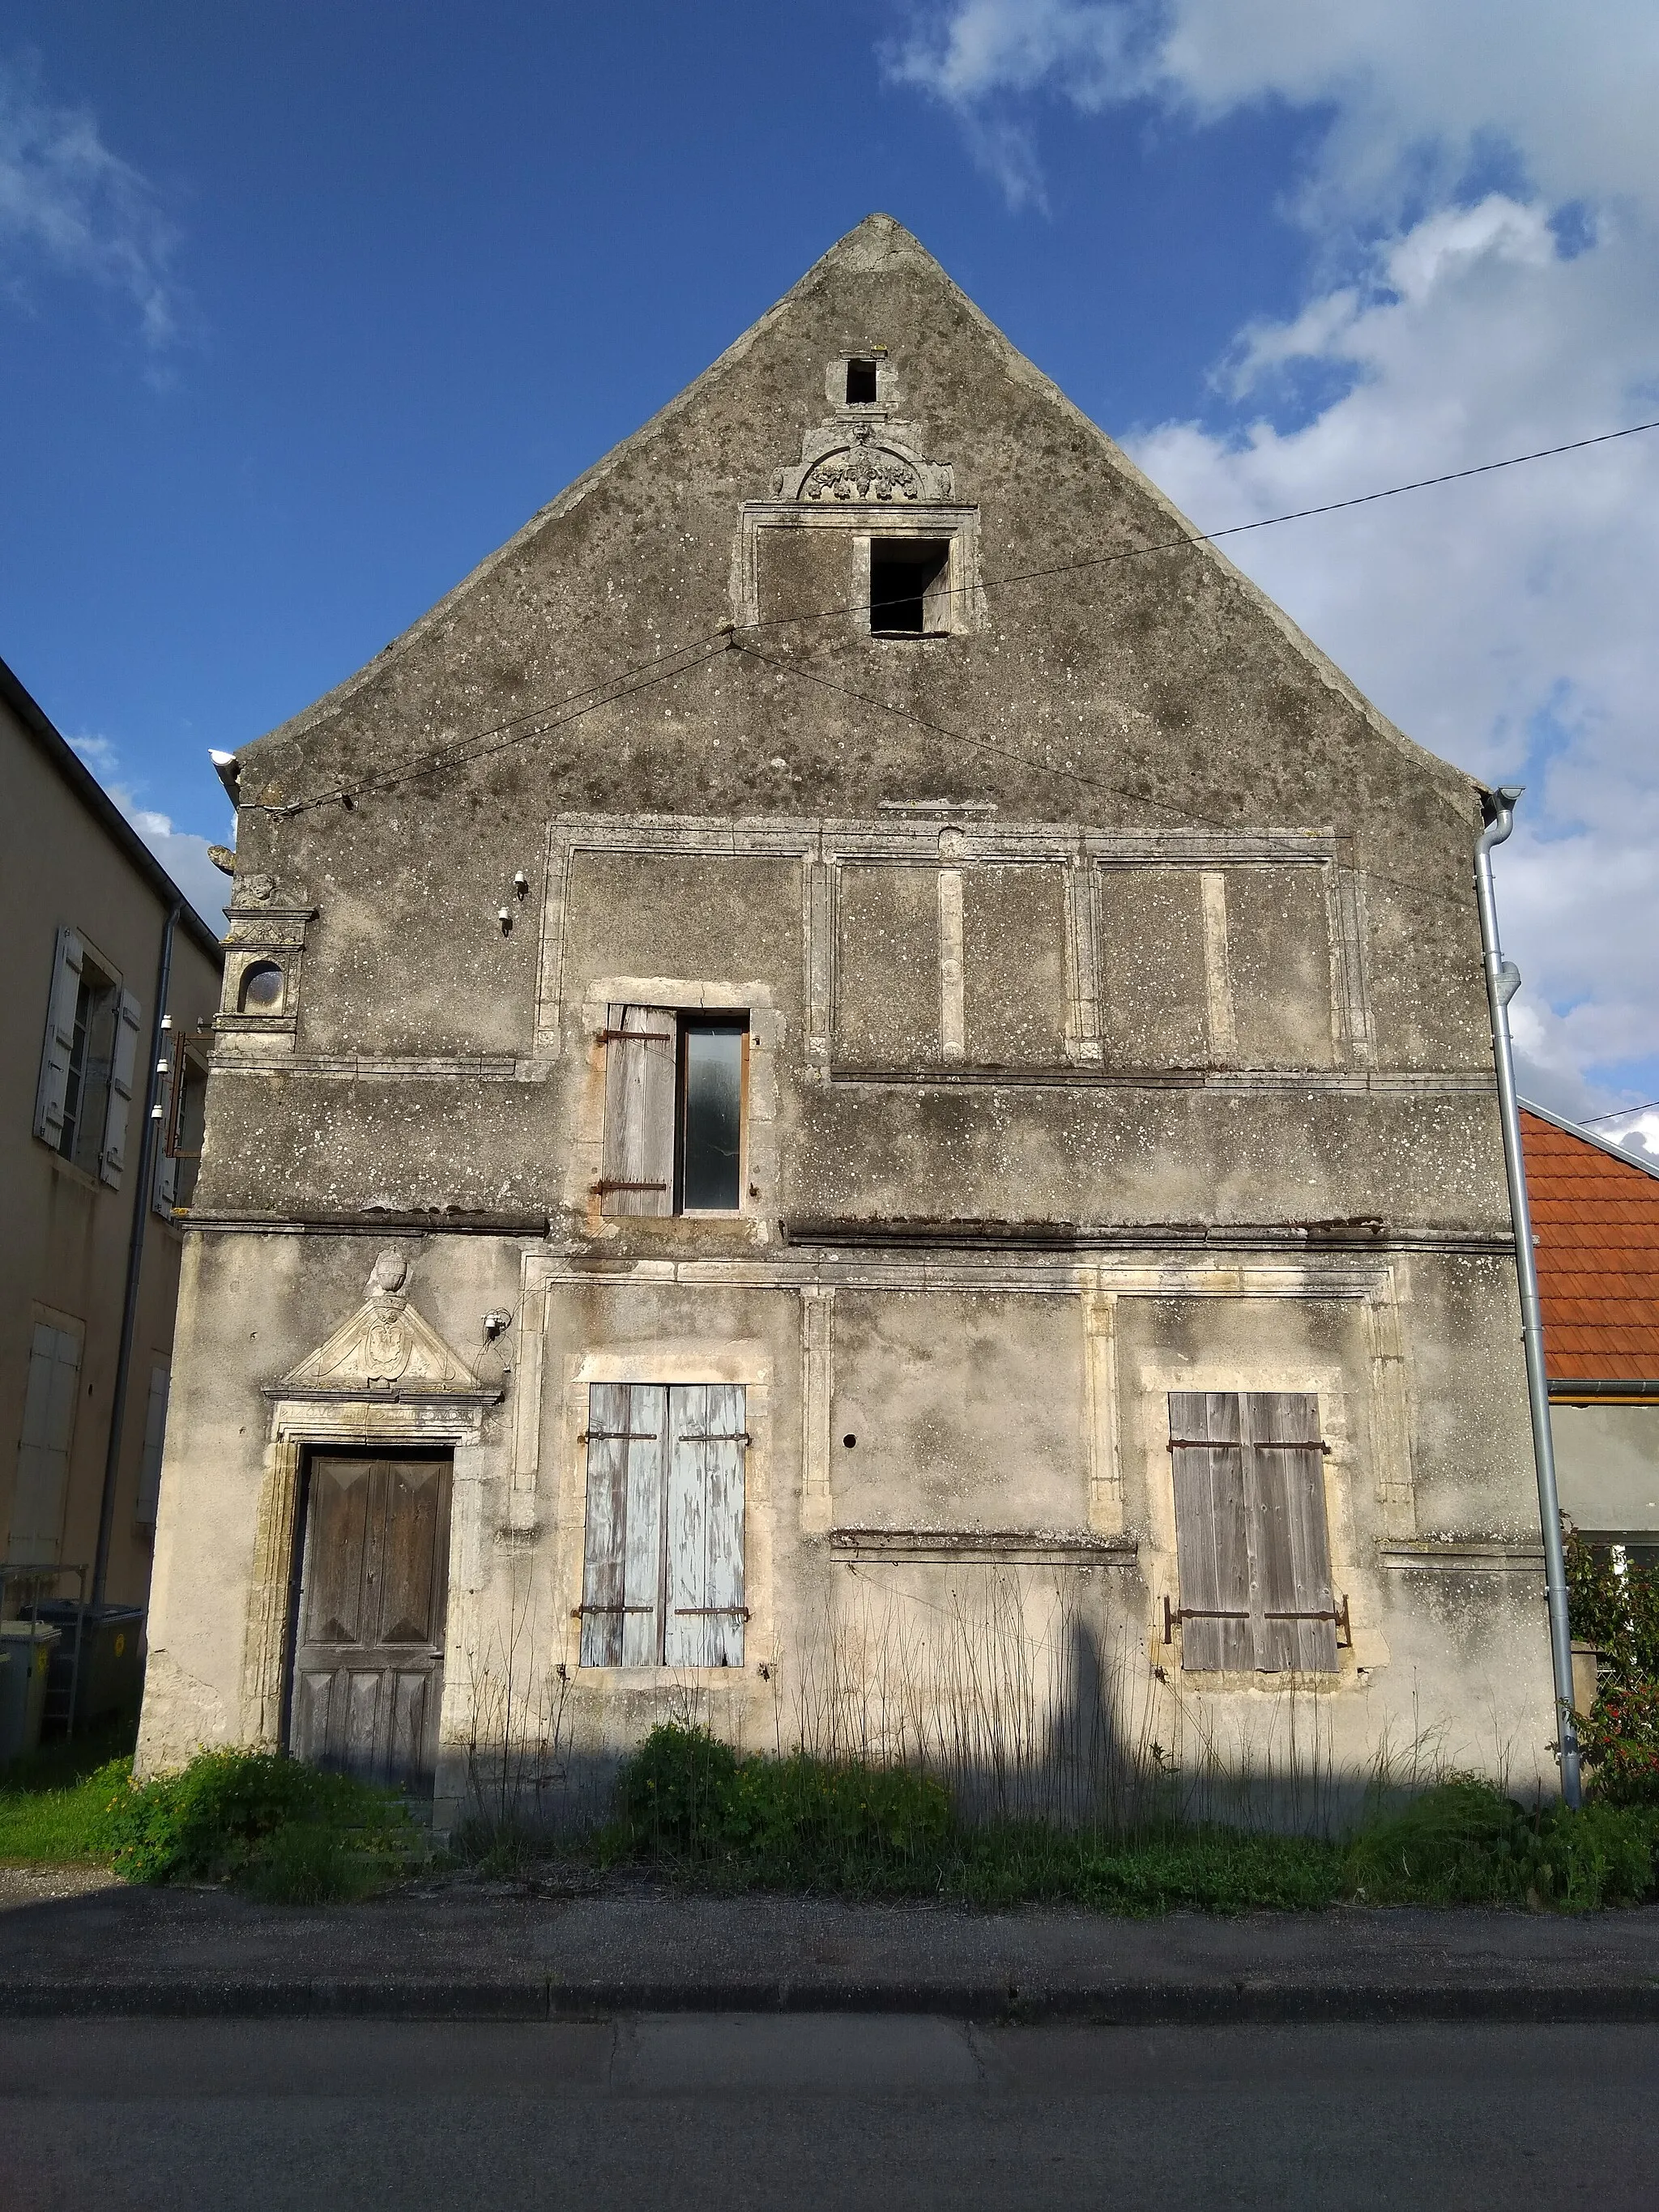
123 1068
155 1431
1285 1467
43 1448
1213 1530
705 1615
1251 1541
641 1062
622 1568
58 1048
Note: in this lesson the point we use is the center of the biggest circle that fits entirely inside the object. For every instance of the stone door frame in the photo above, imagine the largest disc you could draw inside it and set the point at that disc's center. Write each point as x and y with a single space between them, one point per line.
377 1421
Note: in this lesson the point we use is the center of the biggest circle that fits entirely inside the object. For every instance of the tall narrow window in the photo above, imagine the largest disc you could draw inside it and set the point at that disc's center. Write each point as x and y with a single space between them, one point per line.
711 1117
1251 1542
909 586
662 1572
87 1062
673 1111
860 383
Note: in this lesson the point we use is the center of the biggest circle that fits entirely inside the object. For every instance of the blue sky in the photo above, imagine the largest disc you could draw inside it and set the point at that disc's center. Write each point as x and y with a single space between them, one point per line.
303 311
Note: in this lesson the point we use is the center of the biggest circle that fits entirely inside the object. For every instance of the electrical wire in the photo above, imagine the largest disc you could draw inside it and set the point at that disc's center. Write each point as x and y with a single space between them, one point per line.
1589 1121
606 691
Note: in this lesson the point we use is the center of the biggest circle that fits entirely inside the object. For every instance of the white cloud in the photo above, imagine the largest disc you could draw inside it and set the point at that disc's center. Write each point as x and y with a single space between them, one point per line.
67 205
1505 622
182 853
1413 86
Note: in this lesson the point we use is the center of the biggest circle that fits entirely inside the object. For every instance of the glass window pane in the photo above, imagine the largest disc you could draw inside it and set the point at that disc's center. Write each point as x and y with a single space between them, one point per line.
711 1130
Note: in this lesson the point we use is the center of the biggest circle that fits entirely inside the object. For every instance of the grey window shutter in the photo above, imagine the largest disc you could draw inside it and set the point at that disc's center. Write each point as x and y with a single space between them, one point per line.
704 1621
43 1448
1213 1530
124 1063
166 1181
59 1043
622 1576
641 1060
155 1431
1286 1470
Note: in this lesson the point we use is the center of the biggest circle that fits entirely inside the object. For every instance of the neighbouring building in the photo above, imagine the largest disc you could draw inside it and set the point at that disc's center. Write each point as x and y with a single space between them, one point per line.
855 1097
1595 1216
86 906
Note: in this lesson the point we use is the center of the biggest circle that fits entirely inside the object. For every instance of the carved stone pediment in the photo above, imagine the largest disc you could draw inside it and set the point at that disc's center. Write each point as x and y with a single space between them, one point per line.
867 461
385 1350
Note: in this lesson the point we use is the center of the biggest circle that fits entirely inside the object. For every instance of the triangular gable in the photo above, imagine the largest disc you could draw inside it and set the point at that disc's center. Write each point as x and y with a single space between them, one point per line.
333 728
385 1350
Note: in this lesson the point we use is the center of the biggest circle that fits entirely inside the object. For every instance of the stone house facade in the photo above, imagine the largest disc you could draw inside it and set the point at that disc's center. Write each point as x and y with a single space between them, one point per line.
854 1098
86 907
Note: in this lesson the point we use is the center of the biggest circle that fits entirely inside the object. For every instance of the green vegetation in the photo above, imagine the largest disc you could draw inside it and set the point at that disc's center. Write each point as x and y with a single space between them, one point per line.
257 1819
1465 1842
691 1808
266 1822
54 1802
688 1806
1618 1612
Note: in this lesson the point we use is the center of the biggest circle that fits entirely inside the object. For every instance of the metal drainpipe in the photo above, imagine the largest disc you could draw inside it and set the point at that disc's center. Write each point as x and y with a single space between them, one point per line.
134 1263
1503 982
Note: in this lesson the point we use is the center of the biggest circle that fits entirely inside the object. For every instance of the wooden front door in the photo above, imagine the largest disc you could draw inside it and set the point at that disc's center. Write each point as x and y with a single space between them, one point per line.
369 1646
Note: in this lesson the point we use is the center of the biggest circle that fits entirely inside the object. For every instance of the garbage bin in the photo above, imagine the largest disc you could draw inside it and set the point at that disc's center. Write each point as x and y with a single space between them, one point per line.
109 1680
25 1649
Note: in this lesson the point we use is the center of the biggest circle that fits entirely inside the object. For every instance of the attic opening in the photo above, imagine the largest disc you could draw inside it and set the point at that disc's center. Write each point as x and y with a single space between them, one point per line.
909 586
861 384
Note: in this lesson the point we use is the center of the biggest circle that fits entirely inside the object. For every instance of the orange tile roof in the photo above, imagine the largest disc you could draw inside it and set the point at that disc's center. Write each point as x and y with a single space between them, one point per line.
1596 1219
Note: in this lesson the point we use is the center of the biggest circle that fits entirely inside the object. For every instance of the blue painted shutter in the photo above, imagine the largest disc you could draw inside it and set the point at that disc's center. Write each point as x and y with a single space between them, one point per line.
705 1617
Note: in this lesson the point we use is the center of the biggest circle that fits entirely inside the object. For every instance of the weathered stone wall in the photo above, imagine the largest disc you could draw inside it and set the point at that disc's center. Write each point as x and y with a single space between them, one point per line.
1116 1028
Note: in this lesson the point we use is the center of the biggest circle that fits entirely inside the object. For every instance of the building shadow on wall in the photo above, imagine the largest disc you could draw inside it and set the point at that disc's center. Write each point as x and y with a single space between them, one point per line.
1031 1697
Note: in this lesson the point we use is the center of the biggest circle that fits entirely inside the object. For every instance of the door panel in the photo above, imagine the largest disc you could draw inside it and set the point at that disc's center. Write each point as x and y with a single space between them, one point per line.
368 1669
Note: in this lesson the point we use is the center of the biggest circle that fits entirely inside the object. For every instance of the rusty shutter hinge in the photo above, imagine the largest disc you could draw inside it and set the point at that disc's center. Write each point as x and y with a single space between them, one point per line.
1174 1615
1257 1443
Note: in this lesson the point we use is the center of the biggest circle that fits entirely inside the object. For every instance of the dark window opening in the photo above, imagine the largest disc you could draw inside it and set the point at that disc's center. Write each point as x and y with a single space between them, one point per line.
860 383
85 1092
909 586
711 1117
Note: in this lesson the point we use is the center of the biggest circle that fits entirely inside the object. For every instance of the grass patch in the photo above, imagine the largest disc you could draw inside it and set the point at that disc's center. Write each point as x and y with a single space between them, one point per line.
690 1807
260 1820
55 1801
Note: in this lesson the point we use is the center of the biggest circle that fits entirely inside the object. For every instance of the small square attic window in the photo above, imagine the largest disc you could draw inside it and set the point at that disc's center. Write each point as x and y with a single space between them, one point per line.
909 586
861 384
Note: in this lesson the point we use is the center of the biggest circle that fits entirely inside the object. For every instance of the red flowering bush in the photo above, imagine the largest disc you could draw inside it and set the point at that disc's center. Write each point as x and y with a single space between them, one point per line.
1619 1743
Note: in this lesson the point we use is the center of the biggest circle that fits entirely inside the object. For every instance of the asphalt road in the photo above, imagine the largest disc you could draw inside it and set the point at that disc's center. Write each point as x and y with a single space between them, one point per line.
822 2111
